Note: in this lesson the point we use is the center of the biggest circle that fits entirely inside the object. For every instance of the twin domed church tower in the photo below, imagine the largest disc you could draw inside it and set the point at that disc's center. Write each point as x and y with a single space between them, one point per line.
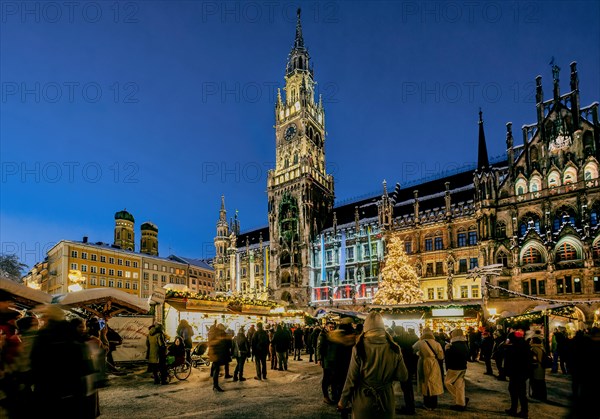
125 234
300 197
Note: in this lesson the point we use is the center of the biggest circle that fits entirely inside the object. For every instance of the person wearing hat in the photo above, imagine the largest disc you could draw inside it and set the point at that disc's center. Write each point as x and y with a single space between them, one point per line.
457 356
375 364
429 375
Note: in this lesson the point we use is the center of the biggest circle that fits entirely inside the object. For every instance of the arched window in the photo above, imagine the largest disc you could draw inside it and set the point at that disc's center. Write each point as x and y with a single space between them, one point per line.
565 251
590 171
535 184
529 222
594 217
553 179
502 258
295 158
596 249
531 255
521 186
500 230
570 176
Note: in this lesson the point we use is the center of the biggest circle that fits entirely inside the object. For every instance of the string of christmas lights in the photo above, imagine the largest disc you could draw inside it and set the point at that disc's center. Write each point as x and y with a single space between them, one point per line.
547 300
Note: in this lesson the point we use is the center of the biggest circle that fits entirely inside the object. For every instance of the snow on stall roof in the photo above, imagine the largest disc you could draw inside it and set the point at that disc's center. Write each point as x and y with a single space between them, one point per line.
24 292
95 294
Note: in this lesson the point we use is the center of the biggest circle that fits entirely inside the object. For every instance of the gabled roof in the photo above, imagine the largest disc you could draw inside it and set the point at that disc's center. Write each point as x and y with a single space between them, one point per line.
199 263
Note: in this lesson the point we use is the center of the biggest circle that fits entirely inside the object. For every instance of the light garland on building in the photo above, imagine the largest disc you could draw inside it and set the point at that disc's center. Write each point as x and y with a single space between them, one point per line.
547 300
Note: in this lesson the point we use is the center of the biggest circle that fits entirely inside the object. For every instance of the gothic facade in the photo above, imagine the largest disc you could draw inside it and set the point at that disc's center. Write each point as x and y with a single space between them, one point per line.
535 212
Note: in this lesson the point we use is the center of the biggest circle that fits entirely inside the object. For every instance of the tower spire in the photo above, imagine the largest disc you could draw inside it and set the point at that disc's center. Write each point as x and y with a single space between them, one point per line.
298 59
299 41
482 154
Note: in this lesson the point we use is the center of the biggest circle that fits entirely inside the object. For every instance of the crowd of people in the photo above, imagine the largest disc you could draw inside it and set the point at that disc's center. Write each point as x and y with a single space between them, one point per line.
52 360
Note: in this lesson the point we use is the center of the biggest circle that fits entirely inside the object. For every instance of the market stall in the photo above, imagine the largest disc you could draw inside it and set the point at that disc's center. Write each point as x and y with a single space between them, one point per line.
431 314
25 298
202 311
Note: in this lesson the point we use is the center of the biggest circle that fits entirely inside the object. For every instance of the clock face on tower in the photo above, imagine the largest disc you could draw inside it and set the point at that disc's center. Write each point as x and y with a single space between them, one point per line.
290 132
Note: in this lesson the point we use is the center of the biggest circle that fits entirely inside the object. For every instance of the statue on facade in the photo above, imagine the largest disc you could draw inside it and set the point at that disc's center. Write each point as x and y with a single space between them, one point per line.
450 286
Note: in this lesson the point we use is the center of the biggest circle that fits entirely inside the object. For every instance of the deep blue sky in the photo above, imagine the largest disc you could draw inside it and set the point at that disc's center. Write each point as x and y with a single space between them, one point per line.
186 107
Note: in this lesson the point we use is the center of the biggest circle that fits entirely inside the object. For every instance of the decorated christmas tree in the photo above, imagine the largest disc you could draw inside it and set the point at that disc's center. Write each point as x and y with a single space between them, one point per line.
399 281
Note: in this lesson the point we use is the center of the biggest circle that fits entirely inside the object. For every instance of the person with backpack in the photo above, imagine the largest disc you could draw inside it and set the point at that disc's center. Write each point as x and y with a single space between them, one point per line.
376 362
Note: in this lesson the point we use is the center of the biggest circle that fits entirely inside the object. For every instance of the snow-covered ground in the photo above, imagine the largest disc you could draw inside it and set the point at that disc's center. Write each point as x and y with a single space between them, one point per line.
295 393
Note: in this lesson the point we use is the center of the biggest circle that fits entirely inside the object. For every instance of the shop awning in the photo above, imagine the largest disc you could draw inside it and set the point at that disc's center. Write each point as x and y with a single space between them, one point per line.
25 298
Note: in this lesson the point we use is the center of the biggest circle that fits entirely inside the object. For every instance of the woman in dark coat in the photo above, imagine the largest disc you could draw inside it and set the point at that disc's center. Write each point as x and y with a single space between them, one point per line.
376 363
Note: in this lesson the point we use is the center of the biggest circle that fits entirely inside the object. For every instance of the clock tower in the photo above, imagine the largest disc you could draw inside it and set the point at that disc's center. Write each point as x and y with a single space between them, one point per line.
299 189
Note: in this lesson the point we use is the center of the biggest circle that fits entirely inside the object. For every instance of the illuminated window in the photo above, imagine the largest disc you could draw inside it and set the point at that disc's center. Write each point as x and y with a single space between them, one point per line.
553 179
591 171
565 251
464 291
430 294
570 176
440 293
475 291
531 255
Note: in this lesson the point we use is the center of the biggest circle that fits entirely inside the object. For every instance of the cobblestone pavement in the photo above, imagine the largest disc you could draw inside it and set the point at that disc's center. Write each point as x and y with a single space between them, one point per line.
295 393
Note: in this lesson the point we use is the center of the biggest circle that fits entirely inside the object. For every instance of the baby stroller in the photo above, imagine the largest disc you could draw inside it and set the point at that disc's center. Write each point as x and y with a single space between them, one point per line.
199 355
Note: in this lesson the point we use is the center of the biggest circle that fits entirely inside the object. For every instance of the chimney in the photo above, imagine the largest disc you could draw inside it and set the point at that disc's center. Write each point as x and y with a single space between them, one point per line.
85 239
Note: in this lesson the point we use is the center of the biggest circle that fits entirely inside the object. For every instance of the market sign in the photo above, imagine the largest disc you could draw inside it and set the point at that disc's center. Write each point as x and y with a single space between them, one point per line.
447 312
158 295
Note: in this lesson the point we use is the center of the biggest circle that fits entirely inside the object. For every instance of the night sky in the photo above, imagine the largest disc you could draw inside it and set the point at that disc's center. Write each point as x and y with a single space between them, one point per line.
162 107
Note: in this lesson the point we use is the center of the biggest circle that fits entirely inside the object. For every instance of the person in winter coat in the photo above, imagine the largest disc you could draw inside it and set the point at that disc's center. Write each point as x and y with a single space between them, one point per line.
326 351
156 354
177 350
314 340
272 351
517 367
498 353
457 355
282 342
241 348
342 340
219 353
406 340
185 330
538 373
250 335
307 341
375 364
487 346
298 342
559 346
429 376
260 349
